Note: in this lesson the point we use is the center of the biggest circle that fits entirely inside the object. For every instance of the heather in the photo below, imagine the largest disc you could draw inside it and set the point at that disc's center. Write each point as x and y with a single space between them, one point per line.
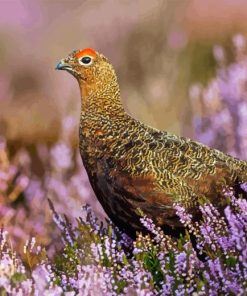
52 243
219 110
97 258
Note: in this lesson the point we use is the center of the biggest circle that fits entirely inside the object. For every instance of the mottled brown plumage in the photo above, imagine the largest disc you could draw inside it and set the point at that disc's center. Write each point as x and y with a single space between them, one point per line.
131 165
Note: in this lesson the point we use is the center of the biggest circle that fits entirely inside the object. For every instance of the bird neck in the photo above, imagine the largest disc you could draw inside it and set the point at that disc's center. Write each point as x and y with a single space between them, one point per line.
101 100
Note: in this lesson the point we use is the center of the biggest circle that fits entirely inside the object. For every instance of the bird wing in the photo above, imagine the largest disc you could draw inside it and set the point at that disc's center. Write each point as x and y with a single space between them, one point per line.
164 168
196 169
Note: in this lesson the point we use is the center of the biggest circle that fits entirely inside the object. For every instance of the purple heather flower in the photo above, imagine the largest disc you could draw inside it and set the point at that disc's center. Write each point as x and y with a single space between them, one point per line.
244 186
184 217
181 263
219 54
23 181
219 109
239 42
61 156
167 288
69 125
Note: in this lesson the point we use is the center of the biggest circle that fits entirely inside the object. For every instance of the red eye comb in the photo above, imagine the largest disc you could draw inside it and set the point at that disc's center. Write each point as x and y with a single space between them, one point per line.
85 52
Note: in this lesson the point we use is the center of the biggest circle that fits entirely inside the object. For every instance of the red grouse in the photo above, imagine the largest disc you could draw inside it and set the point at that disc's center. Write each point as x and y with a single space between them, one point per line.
131 165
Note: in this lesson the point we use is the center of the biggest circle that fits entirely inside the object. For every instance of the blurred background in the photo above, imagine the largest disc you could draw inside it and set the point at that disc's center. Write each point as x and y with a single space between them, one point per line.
181 67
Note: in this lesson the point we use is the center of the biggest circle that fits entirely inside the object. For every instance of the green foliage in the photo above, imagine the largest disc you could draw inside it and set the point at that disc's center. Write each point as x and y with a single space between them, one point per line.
18 277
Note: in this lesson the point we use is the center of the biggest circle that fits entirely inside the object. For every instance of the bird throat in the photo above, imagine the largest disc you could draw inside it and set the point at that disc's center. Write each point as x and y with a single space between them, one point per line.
101 112
98 101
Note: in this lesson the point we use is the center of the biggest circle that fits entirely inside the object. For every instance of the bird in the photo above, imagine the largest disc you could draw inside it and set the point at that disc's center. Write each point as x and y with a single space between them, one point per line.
133 167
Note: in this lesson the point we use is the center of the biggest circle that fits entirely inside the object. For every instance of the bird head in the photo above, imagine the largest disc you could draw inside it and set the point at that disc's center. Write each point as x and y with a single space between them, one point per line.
90 68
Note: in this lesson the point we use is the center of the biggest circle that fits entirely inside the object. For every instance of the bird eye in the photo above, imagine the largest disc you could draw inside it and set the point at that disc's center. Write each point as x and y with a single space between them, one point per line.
85 61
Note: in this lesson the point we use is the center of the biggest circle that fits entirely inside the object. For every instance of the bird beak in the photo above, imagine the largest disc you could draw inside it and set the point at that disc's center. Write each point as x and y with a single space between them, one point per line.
63 66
